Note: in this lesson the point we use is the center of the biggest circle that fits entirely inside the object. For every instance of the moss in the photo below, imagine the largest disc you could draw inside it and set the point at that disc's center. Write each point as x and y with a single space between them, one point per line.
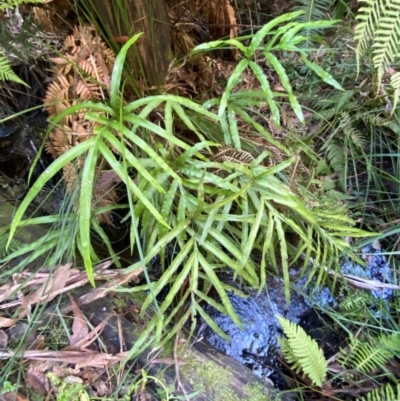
215 381
257 392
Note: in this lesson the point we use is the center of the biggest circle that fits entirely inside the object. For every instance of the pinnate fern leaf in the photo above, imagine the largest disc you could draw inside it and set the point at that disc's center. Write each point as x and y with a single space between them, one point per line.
379 20
385 393
365 356
6 72
313 10
303 352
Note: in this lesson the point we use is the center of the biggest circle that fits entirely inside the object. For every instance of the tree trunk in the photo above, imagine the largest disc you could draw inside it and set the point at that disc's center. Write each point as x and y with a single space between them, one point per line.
149 59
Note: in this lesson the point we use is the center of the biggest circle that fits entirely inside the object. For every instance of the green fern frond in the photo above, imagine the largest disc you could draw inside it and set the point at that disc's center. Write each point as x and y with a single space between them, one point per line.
326 115
314 10
379 21
386 393
6 72
355 136
339 101
364 356
354 304
15 3
378 121
390 342
302 351
336 156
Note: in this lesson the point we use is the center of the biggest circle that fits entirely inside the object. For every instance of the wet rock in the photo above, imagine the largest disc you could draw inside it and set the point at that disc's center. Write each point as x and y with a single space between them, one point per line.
255 346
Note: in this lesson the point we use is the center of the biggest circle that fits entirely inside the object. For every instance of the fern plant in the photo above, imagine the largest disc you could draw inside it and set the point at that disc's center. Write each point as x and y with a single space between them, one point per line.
267 41
215 213
6 72
367 356
302 352
385 393
379 23
313 11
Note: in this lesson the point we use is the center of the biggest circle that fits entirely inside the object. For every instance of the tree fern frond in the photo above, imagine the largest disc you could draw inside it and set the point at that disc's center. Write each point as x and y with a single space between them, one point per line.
304 352
368 19
6 72
385 393
379 22
336 102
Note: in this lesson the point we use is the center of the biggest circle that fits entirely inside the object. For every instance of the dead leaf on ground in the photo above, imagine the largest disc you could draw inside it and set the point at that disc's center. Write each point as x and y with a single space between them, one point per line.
36 377
7 322
80 358
80 327
48 290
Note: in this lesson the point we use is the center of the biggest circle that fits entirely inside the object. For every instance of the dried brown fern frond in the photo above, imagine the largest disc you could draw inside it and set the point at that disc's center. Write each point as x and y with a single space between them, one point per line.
56 98
82 72
226 153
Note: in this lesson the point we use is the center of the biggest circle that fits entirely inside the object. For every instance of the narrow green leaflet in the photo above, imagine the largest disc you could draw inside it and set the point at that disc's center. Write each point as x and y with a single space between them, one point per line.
85 207
320 71
278 67
233 128
284 256
49 173
167 205
260 75
253 235
131 159
184 117
266 29
232 81
178 282
115 99
119 170
220 289
218 44
211 322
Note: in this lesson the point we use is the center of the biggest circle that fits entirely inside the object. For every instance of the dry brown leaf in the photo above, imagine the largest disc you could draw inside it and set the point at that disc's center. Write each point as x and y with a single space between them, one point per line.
80 328
48 290
84 342
7 322
36 377
6 290
80 358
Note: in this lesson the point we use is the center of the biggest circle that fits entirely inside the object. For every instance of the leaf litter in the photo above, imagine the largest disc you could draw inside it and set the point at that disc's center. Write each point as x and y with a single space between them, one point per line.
76 363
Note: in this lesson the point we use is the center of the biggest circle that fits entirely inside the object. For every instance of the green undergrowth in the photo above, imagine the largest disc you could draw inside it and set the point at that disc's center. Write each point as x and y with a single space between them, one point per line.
216 213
